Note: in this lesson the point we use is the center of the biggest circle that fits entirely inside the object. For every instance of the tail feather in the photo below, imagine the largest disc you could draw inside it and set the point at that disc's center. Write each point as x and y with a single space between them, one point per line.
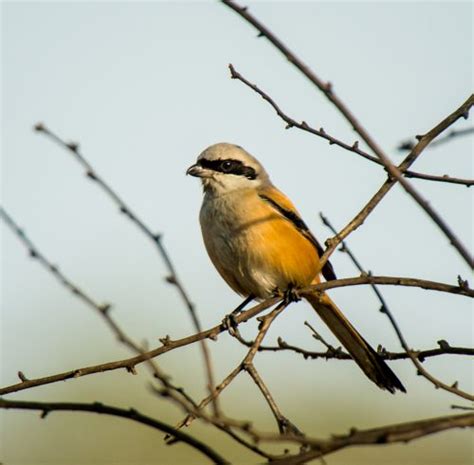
363 354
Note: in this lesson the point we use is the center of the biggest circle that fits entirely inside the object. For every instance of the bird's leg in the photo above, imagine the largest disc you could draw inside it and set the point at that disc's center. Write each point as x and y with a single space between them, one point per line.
229 321
291 294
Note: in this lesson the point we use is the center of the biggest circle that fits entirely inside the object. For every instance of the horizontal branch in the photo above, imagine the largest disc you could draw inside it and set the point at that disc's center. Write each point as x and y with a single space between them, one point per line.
130 414
339 354
402 432
168 344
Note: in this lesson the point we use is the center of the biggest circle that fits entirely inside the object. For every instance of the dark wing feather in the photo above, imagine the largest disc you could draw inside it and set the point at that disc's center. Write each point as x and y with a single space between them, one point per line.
300 225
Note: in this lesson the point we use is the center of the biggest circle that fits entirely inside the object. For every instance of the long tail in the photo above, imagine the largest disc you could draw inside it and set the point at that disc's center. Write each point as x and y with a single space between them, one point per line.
363 354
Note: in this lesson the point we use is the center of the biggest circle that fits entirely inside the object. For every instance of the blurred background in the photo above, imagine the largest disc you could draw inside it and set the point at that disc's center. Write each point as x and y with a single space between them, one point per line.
144 88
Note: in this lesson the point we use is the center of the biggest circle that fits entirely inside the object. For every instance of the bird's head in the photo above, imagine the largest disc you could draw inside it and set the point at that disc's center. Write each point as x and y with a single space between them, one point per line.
224 168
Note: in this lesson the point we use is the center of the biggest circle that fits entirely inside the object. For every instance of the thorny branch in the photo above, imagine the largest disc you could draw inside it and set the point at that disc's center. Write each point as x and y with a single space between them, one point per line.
169 344
131 414
423 142
396 174
104 310
414 357
172 277
454 134
321 132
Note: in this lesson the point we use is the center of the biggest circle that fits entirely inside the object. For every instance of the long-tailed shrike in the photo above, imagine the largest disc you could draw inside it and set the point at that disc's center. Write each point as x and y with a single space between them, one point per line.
259 244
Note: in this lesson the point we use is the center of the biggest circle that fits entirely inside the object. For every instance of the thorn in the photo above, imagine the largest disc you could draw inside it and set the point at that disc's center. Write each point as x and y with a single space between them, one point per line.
170 279
39 127
90 174
233 74
260 34
465 115
104 308
304 125
22 376
33 253
289 126
123 210
44 414
418 137
463 283
74 146
131 369
322 131
443 344
328 87
455 385
355 145
165 340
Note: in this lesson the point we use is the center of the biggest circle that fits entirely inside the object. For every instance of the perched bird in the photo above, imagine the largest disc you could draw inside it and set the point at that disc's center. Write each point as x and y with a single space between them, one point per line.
261 247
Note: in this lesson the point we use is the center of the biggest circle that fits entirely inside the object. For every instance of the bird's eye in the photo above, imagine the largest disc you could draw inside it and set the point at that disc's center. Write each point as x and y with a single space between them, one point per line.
226 166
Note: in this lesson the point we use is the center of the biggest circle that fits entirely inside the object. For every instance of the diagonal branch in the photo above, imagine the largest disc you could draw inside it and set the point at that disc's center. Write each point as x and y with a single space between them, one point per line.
423 142
328 90
104 310
130 414
354 147
414 357
172 277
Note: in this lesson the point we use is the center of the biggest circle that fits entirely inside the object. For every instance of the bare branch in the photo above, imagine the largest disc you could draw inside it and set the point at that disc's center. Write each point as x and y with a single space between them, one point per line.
104 310
359 219
454 134
402 432
131 414
328 90
386 310
172 277
354 147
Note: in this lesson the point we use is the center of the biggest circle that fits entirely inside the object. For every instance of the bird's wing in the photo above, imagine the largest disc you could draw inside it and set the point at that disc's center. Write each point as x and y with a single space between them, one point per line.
283 205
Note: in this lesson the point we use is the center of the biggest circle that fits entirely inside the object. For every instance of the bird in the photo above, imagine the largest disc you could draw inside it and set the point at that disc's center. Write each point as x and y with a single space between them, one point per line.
261 247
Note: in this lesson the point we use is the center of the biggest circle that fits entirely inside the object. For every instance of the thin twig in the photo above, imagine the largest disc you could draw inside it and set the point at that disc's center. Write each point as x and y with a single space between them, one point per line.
168 344
454 134
414 357
328 90
129 364
104 310
424 141
321 132
130 414
391 434
172 277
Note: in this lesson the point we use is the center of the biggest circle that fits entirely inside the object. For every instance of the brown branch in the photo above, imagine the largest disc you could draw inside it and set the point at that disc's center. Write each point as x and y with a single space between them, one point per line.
130 363
168 344
172 277
104 310
130 414
332 353
423 142
328 90
354 147
325 87
284 425
402 432
386 310
454 134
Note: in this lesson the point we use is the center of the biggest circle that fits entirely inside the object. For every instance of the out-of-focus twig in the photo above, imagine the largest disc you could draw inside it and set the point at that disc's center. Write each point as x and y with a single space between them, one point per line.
131 414
172 277
451 135
104 310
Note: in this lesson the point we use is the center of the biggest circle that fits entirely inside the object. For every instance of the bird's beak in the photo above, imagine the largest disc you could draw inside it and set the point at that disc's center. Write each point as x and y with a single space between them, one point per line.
196 171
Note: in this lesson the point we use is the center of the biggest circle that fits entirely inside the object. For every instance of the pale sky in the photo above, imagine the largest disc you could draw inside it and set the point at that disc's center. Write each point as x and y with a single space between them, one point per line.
144 88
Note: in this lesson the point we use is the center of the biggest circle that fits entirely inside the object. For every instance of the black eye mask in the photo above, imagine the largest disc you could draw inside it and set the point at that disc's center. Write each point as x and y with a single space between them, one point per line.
229 166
